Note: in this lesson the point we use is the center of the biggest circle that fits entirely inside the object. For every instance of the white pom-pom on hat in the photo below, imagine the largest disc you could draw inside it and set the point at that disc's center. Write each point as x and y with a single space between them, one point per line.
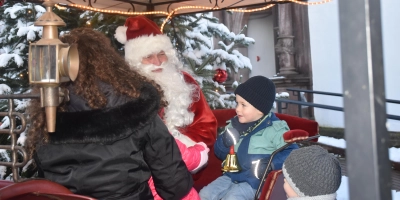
120 34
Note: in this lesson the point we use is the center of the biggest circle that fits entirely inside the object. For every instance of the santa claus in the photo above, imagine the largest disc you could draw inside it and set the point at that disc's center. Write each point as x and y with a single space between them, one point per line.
187 116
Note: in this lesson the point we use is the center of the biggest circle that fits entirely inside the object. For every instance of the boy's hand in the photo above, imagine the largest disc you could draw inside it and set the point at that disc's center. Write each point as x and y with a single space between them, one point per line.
230 137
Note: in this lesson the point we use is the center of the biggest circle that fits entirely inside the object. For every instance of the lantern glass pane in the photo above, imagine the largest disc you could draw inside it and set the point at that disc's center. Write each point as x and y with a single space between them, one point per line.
34 72
44 63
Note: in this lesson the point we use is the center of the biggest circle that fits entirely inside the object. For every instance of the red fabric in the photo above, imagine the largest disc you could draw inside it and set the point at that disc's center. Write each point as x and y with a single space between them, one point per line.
4 183
38 189
140 26
300 123
204 125
273 187
295 135
223 115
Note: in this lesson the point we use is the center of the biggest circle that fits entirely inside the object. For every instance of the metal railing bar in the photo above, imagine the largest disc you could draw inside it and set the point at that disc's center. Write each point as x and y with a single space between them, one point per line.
19 96
393 101
314 92
332 94
302 103
395 117
310 104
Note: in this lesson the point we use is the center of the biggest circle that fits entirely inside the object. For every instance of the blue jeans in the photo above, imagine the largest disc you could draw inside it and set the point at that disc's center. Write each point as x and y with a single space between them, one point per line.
223 188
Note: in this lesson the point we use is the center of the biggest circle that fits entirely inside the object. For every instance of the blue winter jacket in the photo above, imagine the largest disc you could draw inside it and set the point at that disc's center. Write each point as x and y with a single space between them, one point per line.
258 144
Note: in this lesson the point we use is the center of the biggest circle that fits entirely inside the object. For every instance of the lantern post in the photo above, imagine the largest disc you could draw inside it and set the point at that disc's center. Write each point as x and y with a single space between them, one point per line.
51 62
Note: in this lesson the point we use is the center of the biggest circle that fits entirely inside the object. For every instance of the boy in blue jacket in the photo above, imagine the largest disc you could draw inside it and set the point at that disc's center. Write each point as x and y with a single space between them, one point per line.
259 133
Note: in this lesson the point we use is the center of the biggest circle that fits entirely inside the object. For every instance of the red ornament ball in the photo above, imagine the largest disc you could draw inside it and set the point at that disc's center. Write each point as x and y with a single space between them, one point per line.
220 75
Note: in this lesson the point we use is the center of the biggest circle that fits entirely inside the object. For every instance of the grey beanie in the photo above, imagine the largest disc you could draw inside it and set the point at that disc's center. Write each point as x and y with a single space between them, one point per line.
313 172
259 91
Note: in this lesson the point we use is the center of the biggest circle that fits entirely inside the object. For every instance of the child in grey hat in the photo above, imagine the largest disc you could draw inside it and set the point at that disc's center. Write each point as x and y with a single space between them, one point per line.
255 132
311 173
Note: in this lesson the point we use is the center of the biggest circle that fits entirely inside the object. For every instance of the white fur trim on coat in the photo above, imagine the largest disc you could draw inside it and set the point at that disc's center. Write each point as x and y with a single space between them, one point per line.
184 139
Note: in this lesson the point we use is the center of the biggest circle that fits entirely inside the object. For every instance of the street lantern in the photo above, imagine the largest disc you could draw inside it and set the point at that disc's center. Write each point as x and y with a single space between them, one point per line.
51 62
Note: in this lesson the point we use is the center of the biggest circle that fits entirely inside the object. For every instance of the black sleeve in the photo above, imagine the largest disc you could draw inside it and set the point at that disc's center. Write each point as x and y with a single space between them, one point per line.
38 166
171 177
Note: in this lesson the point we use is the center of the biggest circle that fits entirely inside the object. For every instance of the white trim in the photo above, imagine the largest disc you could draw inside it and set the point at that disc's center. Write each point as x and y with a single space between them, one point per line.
138 48
120 34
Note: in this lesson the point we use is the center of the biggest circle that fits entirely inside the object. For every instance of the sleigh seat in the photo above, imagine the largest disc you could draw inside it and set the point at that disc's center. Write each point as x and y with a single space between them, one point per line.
37 189
273 186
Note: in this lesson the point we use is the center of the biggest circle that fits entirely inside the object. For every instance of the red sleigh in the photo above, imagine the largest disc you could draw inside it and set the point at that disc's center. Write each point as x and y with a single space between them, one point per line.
40 189
273 186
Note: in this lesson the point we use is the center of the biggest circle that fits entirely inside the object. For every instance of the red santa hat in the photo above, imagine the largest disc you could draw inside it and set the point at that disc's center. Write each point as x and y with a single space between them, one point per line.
142 37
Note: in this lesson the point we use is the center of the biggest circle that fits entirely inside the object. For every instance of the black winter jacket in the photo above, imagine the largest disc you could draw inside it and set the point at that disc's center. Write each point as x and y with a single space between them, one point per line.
111 153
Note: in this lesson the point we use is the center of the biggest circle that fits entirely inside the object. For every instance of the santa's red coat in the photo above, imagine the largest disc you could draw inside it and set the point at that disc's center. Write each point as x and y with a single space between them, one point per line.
204 125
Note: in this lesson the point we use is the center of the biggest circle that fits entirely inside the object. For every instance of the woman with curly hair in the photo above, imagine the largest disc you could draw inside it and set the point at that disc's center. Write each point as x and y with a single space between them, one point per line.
109 139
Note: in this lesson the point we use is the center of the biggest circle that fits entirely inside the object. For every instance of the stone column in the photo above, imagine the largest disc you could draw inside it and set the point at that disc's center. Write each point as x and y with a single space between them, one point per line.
284 47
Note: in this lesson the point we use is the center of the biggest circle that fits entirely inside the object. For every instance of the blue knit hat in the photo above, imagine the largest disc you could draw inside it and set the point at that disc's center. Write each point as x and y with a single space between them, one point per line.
259 91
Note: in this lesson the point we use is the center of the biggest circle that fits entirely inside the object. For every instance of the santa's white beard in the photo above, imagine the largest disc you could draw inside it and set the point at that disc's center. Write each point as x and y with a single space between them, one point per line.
177 92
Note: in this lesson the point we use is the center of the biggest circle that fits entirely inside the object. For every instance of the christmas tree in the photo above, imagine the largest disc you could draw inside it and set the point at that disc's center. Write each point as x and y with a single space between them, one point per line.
71 18
193 35
105 23
17 30
16 33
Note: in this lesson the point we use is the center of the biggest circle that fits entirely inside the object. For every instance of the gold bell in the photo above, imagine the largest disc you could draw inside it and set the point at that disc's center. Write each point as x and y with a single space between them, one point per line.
231 163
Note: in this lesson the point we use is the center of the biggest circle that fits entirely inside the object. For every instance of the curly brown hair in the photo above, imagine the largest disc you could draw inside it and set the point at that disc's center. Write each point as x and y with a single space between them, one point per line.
98 60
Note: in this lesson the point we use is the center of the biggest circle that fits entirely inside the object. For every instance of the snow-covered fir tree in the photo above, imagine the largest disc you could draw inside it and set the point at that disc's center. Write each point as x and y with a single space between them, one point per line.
17 30
71 18
193 35
105 23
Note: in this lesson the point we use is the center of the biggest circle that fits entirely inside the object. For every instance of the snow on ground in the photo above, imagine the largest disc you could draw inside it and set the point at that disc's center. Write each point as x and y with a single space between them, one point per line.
343 192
